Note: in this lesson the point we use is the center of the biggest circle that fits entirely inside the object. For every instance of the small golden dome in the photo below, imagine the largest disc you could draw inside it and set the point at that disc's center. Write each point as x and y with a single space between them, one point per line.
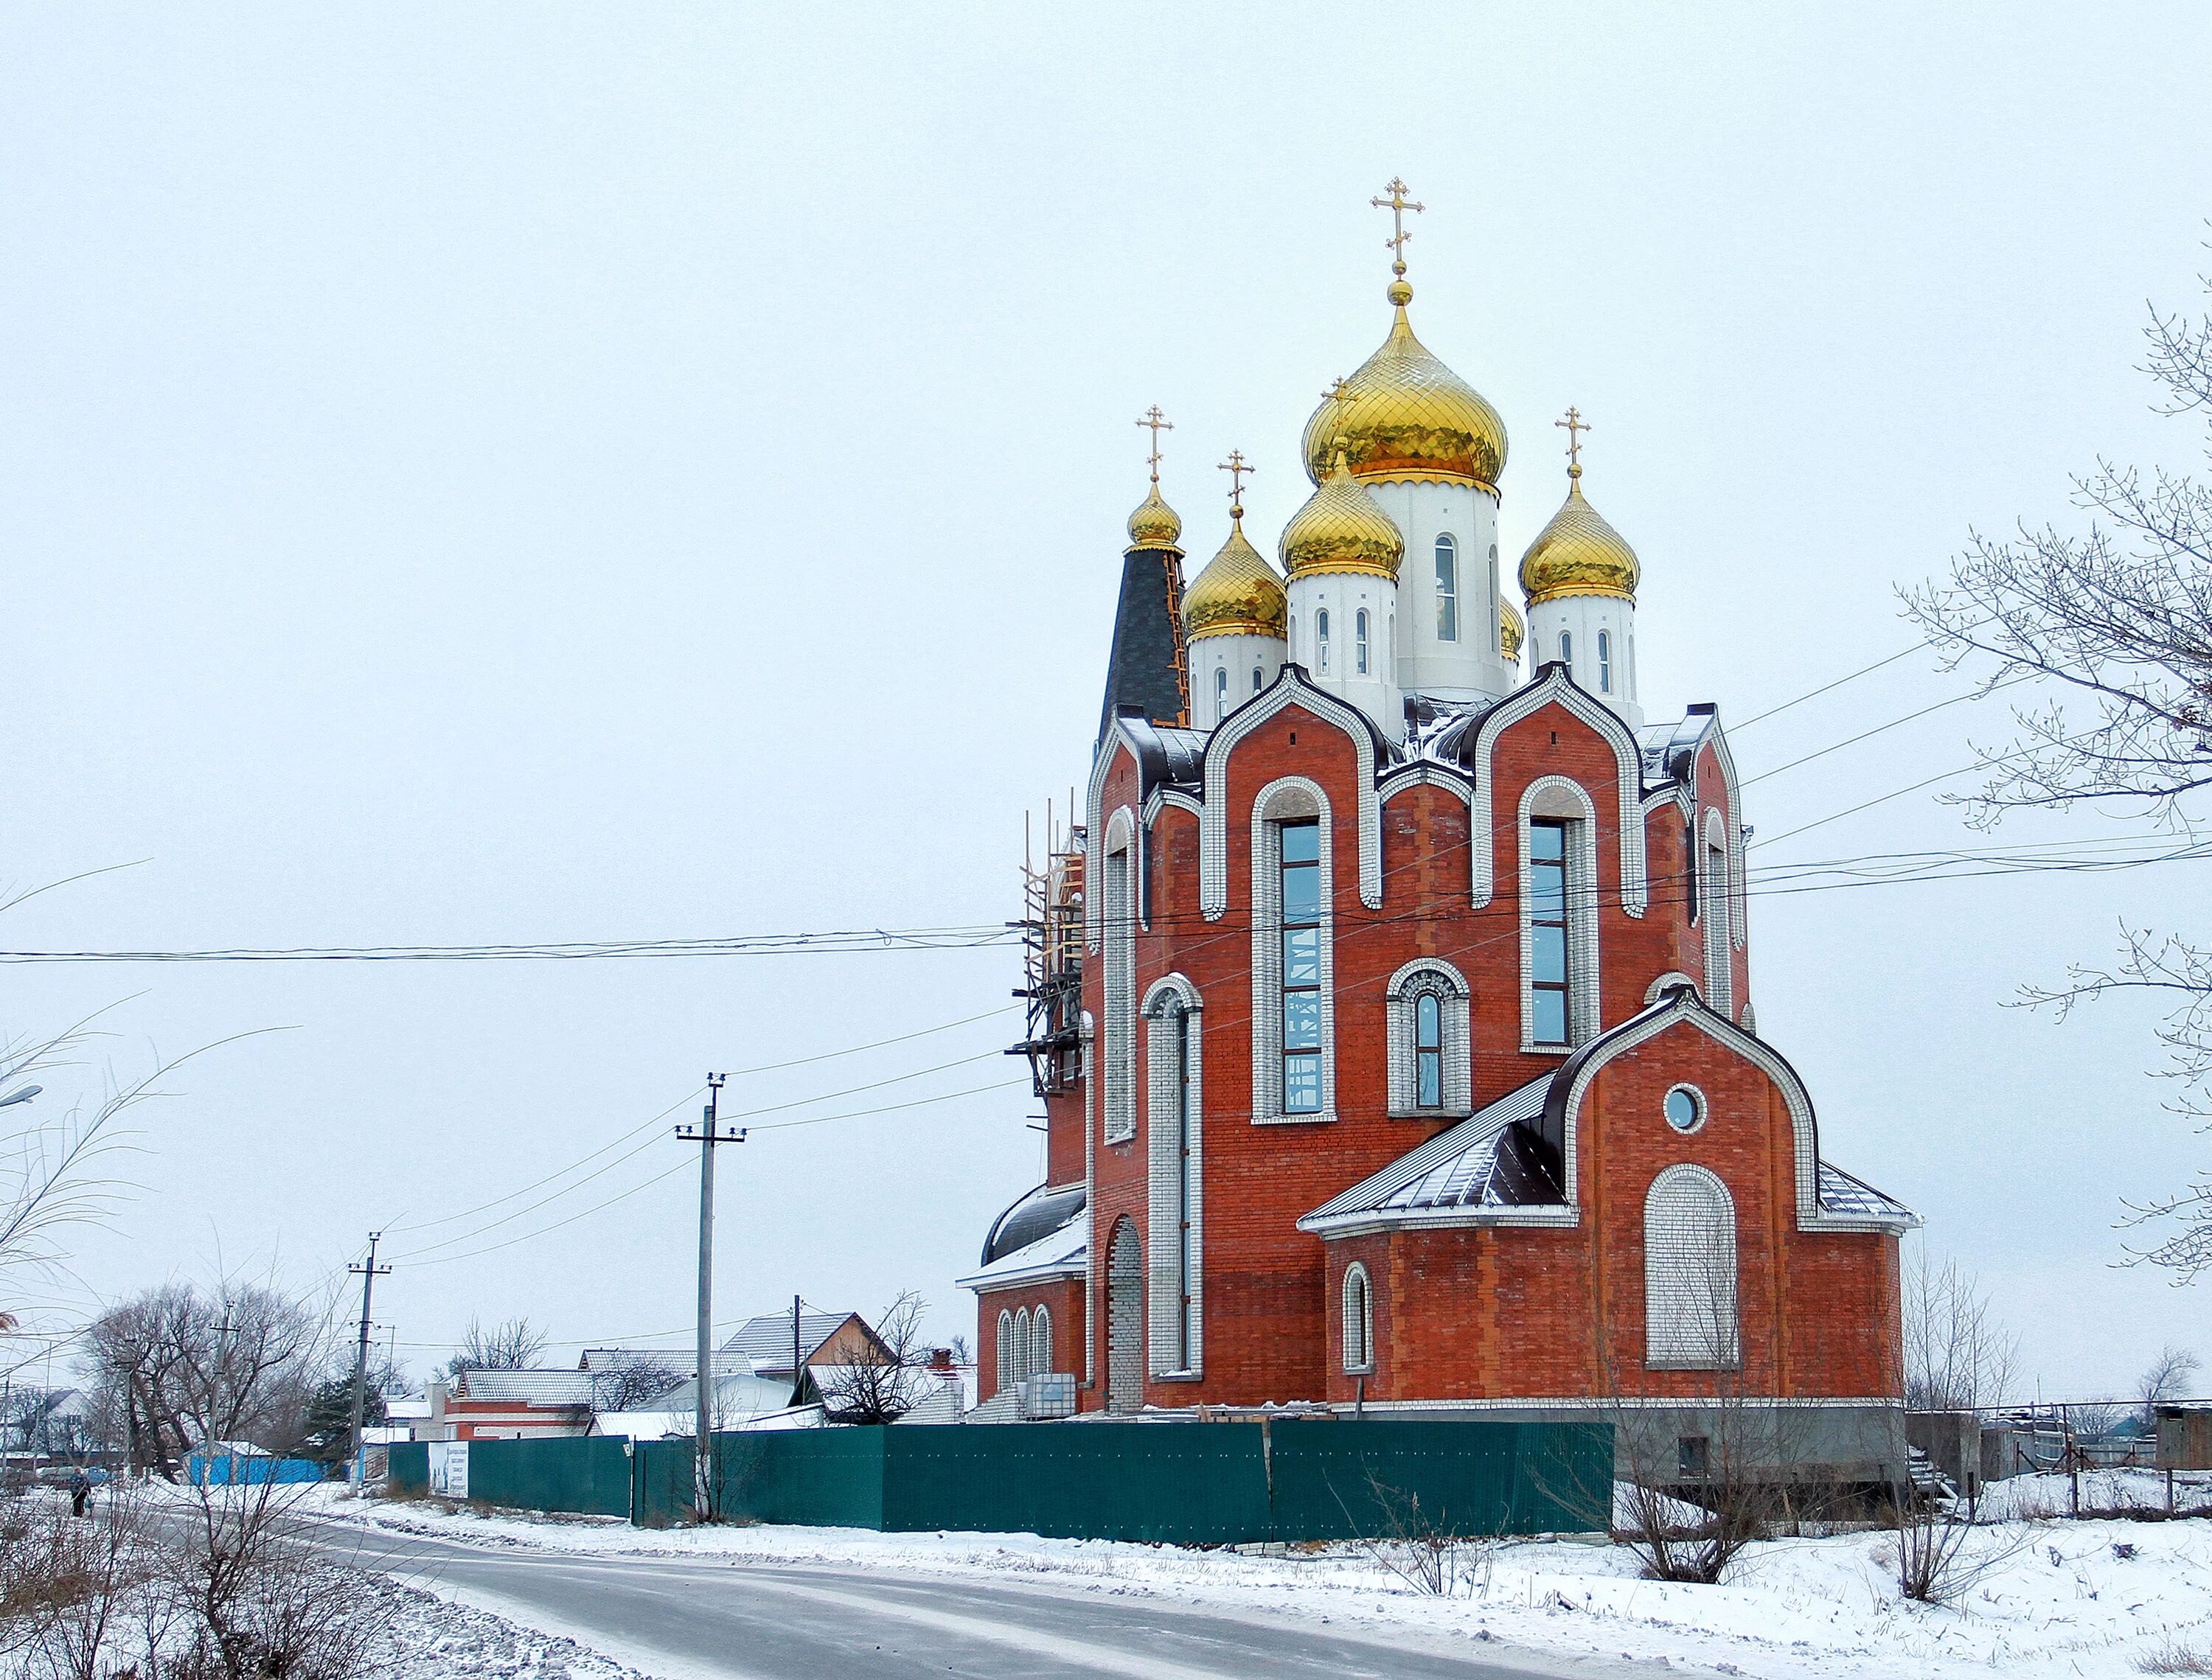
1154 524
1578 553
1511 632
1404 415
1238 594
1342 529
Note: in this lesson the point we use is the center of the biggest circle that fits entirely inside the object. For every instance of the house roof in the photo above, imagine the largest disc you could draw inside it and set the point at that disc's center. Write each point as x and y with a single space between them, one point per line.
1489 1159
764 1343
1842 1193
1038 1213
1064 1252
535 1388
745 1395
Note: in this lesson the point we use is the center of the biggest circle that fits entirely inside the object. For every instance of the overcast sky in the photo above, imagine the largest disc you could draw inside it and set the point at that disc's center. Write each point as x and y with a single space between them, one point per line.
507 474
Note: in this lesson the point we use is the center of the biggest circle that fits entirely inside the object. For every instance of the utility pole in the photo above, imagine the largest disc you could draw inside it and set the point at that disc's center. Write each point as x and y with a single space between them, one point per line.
369 1271
707 1135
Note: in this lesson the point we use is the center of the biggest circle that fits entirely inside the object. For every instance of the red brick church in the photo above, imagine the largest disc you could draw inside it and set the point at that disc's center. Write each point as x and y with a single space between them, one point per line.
1392 1003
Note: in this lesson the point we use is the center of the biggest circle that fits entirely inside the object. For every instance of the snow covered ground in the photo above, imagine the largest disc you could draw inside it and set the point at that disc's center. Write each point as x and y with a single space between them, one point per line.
432 1638
2094 1598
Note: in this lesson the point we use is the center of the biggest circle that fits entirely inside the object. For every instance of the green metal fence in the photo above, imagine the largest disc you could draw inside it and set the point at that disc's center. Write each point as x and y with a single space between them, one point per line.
584 1476
408 1471
1185 1484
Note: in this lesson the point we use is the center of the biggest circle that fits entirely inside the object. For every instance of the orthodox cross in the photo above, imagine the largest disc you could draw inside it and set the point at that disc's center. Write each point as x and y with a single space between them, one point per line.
1337 392
1574 424
1157 425
1235 467
1397 204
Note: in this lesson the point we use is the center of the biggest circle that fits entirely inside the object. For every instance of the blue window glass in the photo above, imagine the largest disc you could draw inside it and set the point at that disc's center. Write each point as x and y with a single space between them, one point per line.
1301 866
1302 956
1547 930
1428 1050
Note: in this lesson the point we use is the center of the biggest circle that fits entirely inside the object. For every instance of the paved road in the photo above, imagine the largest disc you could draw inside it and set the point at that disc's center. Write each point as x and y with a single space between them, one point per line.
781 1621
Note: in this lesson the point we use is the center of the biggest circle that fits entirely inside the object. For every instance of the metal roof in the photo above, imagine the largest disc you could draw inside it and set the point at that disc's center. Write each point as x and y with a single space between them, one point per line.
1842 1193
1036 1216
1474 1164
535 1388
765 1341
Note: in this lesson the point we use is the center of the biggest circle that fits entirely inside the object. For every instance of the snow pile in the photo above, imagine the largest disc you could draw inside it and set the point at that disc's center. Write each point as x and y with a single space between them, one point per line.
2089 1599
432 1638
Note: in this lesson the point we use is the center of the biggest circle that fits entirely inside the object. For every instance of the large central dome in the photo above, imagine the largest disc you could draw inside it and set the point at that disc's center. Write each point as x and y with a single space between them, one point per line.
1404 415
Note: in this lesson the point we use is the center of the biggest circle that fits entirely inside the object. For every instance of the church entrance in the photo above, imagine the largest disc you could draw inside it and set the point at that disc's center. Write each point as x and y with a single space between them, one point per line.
1125 1329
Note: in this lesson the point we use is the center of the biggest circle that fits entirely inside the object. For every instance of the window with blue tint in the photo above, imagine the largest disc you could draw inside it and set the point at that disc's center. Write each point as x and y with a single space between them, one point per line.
1360 640
1567 651
1605 662
1321 638
1547 930
1429 1052
1447 589
1301 852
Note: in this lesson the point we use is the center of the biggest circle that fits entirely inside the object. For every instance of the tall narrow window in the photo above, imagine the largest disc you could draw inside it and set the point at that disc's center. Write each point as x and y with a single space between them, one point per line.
1301 844
1689 1272
1321 639
1690 872
1428 1050
1447 589
1358 1319
1255 679
1567 653
1220 694
1006 1351
1359 641
1179 1023
1605 662
1497 601
1548 930
1021 1344
1041 1343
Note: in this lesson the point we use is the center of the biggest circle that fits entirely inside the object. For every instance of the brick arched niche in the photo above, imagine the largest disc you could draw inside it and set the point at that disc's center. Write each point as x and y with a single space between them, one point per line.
1124 1318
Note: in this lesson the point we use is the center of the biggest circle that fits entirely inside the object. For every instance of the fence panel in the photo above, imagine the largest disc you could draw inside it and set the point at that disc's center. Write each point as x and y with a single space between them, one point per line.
407 1470
1335 1480
829 1477
586 1476
661 1482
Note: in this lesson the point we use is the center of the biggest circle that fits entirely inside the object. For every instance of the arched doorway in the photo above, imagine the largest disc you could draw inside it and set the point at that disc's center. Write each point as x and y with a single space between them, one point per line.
1125 1328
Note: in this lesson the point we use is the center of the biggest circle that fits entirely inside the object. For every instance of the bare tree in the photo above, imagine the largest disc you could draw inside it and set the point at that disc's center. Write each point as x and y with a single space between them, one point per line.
2106 631
886 1373
2166 1378
631 1384
1957 1356
511 1345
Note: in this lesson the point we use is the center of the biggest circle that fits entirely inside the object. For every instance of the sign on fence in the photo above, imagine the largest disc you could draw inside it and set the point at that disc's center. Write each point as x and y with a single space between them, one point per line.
449 1468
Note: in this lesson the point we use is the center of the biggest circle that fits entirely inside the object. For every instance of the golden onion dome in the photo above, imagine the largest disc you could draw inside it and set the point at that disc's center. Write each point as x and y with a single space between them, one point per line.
1154 524
1342 529
1578 553
1511 632
1238 594
1404 415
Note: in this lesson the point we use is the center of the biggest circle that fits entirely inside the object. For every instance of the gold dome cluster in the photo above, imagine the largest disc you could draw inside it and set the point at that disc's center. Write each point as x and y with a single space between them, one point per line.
1238 594
1404 415
1342 529
1578 553
1155 524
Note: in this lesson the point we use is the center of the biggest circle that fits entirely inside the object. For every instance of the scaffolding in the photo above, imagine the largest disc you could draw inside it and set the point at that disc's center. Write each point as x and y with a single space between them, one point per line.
1052 956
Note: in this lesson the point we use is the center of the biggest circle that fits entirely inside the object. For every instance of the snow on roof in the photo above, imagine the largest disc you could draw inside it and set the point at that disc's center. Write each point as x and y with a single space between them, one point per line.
1064 1254
765 1341
1842 1193
1473 1164
535 1388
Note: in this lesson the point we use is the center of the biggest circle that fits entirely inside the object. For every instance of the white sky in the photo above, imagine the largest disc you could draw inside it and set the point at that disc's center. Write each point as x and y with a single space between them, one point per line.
520 473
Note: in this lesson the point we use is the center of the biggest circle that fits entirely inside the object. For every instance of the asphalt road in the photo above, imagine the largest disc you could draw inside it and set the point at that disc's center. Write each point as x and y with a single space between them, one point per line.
779 1621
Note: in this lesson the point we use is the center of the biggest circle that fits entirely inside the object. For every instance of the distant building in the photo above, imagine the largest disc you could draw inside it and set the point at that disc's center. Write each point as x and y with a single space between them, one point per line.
516 1405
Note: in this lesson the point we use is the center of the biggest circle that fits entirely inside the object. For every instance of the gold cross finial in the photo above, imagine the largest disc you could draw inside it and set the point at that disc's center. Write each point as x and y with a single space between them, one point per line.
1337 392
1397 204
1574 424
1235 467
1153 420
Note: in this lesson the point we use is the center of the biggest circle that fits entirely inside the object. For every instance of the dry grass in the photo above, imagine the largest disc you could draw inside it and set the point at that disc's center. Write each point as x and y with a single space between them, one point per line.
2174 1656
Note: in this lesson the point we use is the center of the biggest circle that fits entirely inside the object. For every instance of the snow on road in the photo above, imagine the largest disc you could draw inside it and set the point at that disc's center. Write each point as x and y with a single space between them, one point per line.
2089 1599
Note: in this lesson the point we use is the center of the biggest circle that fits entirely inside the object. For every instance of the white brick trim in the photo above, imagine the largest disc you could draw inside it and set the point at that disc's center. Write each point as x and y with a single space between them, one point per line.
1691 1318
1429 973
1119 887
1161 1165
1269 809
1290 689
1364 1366
1553 687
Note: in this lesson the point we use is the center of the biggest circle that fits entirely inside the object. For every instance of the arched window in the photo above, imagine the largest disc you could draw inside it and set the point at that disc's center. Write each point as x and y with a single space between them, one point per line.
1605 662
1447 589
1428 1051
1358 1319
1041 1343
1548 980
1321 639
1302 916
1005 1350
1256 684
1021 1344
1560 947
1689 1272
1360 640
1567 652
1220 694
1175 1186
1125 1309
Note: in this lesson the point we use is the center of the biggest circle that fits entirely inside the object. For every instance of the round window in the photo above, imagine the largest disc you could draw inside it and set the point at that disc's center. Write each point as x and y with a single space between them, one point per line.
1685 1108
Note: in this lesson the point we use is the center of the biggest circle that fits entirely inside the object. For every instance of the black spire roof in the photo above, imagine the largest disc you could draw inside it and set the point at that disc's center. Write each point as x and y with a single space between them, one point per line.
1144 672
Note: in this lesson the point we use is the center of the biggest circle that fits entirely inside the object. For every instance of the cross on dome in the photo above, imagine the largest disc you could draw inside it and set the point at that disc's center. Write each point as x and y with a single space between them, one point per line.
1235 467
1575 424
1157 424
1397 204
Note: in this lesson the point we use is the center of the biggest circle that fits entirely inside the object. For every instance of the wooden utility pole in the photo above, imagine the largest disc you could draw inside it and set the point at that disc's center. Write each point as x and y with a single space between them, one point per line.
707 1135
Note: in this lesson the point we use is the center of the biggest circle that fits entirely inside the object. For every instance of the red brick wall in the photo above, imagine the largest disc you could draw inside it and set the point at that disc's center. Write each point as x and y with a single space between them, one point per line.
1063 1298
